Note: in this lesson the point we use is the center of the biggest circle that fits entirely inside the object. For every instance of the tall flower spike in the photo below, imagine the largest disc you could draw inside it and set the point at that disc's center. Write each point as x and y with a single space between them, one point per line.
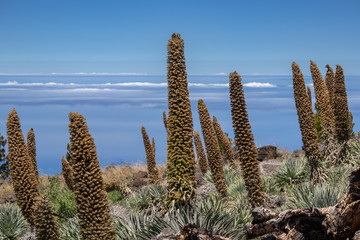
21 168
224 142
46 226
200 153
92 204
180 151
329 81
31 147
150 156
244 141
153 147
67 172
324 109
165 120
309 94
341 108
212 148
307 124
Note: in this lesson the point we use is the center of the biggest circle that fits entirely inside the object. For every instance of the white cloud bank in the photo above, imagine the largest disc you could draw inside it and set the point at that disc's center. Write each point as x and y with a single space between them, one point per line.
259 85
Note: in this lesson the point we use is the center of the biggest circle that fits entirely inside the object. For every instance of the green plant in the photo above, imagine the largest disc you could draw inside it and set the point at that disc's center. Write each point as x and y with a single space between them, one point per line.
13 225
61 198
353 153
338 177
291 172
230 175
314 195
115 197
181 163
212 214
70 230
244 141
237 190
140 226
270 186
147 197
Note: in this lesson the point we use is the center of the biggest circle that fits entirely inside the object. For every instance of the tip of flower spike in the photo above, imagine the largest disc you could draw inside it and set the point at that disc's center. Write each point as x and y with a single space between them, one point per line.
234 75
175 36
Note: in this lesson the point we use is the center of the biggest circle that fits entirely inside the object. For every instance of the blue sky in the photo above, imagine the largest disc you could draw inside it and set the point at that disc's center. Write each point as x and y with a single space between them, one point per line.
125 36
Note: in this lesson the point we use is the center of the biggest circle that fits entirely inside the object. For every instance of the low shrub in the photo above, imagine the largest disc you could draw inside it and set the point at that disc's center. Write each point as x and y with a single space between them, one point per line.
61 197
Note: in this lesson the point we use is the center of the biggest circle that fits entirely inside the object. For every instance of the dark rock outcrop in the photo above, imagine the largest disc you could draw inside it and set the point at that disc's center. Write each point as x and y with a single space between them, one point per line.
266 152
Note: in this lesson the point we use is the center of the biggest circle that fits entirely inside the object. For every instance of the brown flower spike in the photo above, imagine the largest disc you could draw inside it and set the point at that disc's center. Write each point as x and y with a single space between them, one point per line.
21 168
165 120
324 108
150 156
212 148
200 153
307 124
309 94
180 152
31 147
329 81
244 141
224 142
341 107
67 172
46 226
92 205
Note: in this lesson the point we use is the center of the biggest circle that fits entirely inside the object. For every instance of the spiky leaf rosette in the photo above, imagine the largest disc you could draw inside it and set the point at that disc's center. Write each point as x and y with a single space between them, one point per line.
180 153
67 172
323 105
212 148
46 226
329 81
92 205
341 107
307 124
200 153
309 94
31 147
244 141
150 156
21 167
224 142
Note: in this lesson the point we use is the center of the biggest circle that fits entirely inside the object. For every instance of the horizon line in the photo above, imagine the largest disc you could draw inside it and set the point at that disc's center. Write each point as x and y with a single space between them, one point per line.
134 74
